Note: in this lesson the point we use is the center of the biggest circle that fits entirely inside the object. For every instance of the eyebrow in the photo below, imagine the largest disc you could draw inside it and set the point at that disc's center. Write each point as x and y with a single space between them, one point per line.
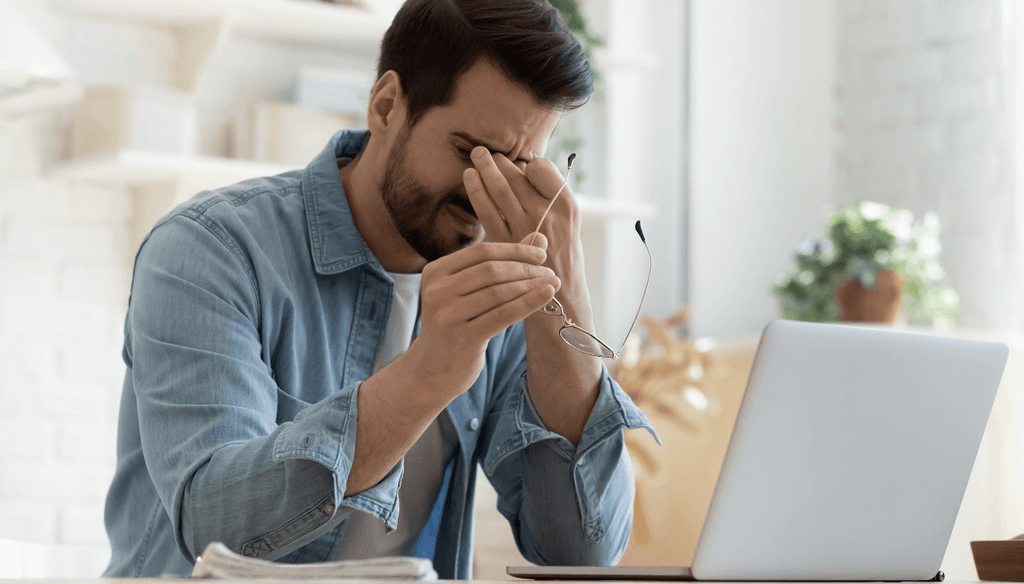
480 142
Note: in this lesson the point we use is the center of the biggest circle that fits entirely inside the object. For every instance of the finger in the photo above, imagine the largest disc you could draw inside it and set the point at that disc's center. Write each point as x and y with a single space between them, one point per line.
487 299
484 275
497 186
536 239
544 177
525 193
485 209
484 252
503 316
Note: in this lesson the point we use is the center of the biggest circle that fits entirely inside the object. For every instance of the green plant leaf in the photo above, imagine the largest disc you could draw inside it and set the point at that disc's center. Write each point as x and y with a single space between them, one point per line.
863 239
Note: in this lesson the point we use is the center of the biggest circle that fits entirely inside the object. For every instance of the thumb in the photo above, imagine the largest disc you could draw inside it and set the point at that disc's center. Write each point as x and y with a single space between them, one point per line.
536 239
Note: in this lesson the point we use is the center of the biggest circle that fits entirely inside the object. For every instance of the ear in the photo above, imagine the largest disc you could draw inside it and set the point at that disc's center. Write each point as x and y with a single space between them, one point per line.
387 110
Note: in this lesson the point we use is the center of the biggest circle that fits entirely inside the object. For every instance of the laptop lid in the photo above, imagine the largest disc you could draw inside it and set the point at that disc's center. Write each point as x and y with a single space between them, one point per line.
850 456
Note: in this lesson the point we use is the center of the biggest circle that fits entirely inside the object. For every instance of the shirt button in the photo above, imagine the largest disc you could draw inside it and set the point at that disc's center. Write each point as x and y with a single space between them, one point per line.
329 509
474 424
579 462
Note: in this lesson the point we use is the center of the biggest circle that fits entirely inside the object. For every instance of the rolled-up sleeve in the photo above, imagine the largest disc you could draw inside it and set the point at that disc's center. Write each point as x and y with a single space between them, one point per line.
566 505
224 468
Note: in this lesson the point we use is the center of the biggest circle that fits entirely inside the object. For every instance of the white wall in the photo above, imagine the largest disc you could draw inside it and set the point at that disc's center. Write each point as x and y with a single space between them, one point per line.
64 273
761 137
926 126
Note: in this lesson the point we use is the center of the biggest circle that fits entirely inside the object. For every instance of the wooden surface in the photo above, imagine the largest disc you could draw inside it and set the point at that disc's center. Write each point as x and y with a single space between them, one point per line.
999 560
165 581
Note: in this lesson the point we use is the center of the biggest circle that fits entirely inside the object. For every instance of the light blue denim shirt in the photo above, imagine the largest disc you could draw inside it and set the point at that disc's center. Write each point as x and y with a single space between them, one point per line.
255 313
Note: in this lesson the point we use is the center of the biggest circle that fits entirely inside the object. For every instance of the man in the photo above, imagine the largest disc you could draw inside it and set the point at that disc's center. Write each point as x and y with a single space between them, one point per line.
318 361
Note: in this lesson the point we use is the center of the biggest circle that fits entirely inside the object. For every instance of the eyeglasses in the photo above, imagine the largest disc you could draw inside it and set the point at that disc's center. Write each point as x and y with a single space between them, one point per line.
574 335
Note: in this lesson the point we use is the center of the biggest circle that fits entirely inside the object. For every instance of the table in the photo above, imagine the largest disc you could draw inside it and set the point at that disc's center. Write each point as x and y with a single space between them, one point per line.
165 581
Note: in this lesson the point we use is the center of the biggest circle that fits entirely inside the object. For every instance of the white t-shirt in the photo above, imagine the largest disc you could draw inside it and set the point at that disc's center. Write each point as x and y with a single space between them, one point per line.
363 535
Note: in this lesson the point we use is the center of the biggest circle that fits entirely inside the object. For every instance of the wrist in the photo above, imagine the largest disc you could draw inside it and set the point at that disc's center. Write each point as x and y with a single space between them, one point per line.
436 379
546 347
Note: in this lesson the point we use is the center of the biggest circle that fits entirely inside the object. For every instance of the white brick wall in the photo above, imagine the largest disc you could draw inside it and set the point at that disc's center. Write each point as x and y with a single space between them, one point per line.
923 125
63 285
64 273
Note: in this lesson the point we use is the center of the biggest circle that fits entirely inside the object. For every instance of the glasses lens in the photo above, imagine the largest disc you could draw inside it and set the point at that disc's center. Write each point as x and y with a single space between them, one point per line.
553 308
585 342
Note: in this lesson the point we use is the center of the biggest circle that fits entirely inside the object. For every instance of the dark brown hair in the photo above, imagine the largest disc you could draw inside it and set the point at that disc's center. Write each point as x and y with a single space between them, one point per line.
431 43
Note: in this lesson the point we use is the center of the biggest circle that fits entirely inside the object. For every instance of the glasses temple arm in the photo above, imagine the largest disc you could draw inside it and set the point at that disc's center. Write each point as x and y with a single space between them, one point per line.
568 171
650 262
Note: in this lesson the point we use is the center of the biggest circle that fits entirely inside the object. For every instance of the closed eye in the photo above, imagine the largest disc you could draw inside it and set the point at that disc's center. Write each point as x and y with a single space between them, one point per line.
463 152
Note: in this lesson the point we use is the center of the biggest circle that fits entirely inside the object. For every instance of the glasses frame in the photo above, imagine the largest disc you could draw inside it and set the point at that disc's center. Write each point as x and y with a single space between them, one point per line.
555 308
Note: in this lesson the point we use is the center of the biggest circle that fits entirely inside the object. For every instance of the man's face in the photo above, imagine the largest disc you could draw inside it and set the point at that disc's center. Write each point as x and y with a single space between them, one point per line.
421 183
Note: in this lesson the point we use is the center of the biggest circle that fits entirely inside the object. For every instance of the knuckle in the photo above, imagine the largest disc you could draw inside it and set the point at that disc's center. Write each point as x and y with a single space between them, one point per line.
495 295
505 191
507 312
492 271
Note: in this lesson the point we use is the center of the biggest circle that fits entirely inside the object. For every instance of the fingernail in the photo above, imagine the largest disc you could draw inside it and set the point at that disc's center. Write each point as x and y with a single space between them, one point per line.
478 152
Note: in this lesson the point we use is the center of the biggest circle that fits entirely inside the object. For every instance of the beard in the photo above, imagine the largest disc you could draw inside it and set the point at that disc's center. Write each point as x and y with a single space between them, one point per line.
415 210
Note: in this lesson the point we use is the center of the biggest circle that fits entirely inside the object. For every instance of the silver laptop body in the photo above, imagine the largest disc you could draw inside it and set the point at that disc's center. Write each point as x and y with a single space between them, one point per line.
849 459
850 455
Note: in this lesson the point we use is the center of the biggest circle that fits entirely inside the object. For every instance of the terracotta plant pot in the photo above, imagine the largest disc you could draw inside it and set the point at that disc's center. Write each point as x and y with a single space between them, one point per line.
859 304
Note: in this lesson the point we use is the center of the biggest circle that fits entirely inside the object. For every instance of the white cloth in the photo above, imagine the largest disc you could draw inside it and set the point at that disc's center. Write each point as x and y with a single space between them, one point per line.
363 536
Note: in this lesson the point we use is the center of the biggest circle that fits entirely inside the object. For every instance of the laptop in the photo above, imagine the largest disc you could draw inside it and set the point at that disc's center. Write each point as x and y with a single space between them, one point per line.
849 459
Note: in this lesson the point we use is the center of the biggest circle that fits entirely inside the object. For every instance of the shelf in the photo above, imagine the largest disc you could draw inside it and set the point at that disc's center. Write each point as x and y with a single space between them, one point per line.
298 22
202 27
134 168
40 99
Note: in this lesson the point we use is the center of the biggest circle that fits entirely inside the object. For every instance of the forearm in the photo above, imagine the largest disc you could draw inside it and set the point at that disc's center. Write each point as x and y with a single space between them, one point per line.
562 381
395 406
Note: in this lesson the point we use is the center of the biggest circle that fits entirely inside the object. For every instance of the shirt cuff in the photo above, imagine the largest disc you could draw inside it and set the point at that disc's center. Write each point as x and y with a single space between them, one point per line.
325 432
520 424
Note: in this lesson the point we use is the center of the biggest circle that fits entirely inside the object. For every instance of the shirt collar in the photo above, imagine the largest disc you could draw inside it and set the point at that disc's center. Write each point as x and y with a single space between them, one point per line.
334 241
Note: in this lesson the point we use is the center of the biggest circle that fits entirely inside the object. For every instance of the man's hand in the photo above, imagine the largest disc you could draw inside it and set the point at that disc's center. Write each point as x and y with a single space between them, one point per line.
469 297
510 199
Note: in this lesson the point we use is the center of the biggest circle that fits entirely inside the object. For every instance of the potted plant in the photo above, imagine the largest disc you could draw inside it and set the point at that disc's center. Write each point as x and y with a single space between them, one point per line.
876 265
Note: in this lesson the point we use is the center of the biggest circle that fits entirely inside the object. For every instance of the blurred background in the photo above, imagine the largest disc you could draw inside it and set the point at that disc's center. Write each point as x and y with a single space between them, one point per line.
740 132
